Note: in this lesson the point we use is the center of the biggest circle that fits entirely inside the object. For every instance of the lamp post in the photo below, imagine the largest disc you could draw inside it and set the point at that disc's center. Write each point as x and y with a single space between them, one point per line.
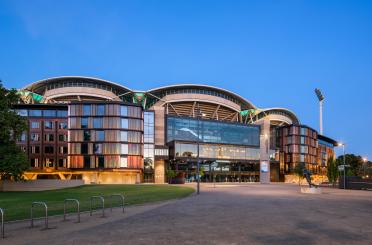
343 151
365 160
198 152
321 99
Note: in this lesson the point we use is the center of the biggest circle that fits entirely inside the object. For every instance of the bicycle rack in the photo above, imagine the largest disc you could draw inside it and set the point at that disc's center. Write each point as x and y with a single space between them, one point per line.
117 195
2 223
103 204
46 213
77 205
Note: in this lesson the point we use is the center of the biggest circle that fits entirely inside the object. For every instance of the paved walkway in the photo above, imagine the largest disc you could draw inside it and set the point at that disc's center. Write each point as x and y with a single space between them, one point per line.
227 214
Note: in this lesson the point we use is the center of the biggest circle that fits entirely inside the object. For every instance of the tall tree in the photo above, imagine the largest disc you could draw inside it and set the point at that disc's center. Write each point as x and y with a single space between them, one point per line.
299 171
13 162
332 171
355 164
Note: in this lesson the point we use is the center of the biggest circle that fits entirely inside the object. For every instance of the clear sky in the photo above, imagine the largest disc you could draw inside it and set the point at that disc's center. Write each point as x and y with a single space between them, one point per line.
274 53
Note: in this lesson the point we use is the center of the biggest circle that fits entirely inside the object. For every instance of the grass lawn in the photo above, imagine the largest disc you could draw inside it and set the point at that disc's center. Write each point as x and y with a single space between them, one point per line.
17 204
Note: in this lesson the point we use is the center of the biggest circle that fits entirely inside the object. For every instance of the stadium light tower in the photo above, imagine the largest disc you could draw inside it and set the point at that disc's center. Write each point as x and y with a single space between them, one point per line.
321 99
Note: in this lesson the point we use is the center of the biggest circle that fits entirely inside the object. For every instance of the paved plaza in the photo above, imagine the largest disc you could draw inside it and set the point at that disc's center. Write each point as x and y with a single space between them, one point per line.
225 214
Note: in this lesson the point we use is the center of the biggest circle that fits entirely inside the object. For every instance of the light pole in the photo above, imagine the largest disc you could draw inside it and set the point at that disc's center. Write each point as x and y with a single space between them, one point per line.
321 99
365 160
198 154
343 151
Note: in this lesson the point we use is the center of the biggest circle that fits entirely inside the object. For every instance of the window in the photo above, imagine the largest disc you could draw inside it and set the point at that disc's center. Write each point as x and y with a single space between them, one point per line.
97 122
123 136
303 131
302 158
35 113
97 148
86 110
35 137
22 112
86 162
34 162
49 137
123 162
62 163
124 123
124 148
86 135
101 162
63 149
100 110
35 149
62 125
49 162
84 148
100 135
49 113
49 149
123 111
48 125
302 140
61 114
23 137
84 122
62 137
35 125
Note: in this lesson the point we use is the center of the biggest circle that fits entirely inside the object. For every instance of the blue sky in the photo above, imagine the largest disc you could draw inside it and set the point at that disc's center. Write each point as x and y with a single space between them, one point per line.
274 53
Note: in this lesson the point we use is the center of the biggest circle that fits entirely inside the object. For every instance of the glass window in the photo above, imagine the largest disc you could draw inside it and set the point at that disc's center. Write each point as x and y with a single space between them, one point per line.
23 136
84 148
101 162
35 149
35 113
124 148
97 122
62 125
84 122
48 125
35 124
123 110
86 135
49 137
123 136
49 149
123 162
35 137
35 162
97 148
100 135
86 162
22 112
86 110
49 113
100 110
61 113
124 123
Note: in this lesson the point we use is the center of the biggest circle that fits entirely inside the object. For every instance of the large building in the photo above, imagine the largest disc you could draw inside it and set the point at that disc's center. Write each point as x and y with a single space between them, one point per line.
102 132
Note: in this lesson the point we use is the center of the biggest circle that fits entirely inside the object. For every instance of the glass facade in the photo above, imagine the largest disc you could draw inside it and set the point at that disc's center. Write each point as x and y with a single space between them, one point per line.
190 129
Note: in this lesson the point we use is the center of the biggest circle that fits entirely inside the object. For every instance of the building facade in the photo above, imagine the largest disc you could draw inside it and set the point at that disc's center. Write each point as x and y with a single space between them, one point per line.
102 132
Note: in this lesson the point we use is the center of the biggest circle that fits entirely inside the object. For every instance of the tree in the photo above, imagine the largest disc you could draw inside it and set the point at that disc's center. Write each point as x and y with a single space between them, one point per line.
148 164
299 171
170 174
13 162
332 171
355 164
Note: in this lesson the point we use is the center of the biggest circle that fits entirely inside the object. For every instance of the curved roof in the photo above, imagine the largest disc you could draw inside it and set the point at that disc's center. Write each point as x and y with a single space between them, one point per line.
290 113
244 102
39 86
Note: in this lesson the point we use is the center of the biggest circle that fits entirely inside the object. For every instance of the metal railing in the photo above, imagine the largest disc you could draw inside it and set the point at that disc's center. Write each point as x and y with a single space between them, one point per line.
102 201
77 205
2 223
46 213
117 195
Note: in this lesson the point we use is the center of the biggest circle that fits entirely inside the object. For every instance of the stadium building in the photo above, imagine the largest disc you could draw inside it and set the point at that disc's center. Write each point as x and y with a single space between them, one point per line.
102 132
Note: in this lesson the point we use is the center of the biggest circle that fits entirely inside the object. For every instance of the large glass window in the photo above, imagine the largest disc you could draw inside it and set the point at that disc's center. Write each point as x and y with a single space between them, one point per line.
35 113
100 135
97 148
86 110
62 125
123 136
48 125
22 112
84 122
124 149
123 110
100 110
97 122
87 135
124 123
61 113
35 125
189 129
123 162
49 113
84 148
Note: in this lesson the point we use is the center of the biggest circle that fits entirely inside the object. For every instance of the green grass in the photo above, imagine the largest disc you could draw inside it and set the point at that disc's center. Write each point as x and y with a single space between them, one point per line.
17 204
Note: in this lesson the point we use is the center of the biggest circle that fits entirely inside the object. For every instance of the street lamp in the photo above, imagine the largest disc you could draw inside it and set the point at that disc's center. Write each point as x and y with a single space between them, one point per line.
343 151
365 160
198 151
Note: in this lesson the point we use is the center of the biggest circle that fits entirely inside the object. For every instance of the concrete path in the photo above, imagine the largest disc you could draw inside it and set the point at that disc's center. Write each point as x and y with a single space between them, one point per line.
227 214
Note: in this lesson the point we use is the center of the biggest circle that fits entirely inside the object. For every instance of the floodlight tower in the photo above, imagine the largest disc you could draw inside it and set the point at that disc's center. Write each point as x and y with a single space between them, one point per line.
321 99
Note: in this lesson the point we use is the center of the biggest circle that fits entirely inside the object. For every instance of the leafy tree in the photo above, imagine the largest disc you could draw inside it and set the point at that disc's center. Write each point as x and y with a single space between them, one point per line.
13 162
148 163
170 174
332 171
299 171
355 164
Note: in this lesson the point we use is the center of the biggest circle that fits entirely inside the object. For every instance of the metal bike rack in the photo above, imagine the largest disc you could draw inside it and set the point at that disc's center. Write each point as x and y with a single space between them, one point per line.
77 205
117 195
2 223
103 204
46 213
